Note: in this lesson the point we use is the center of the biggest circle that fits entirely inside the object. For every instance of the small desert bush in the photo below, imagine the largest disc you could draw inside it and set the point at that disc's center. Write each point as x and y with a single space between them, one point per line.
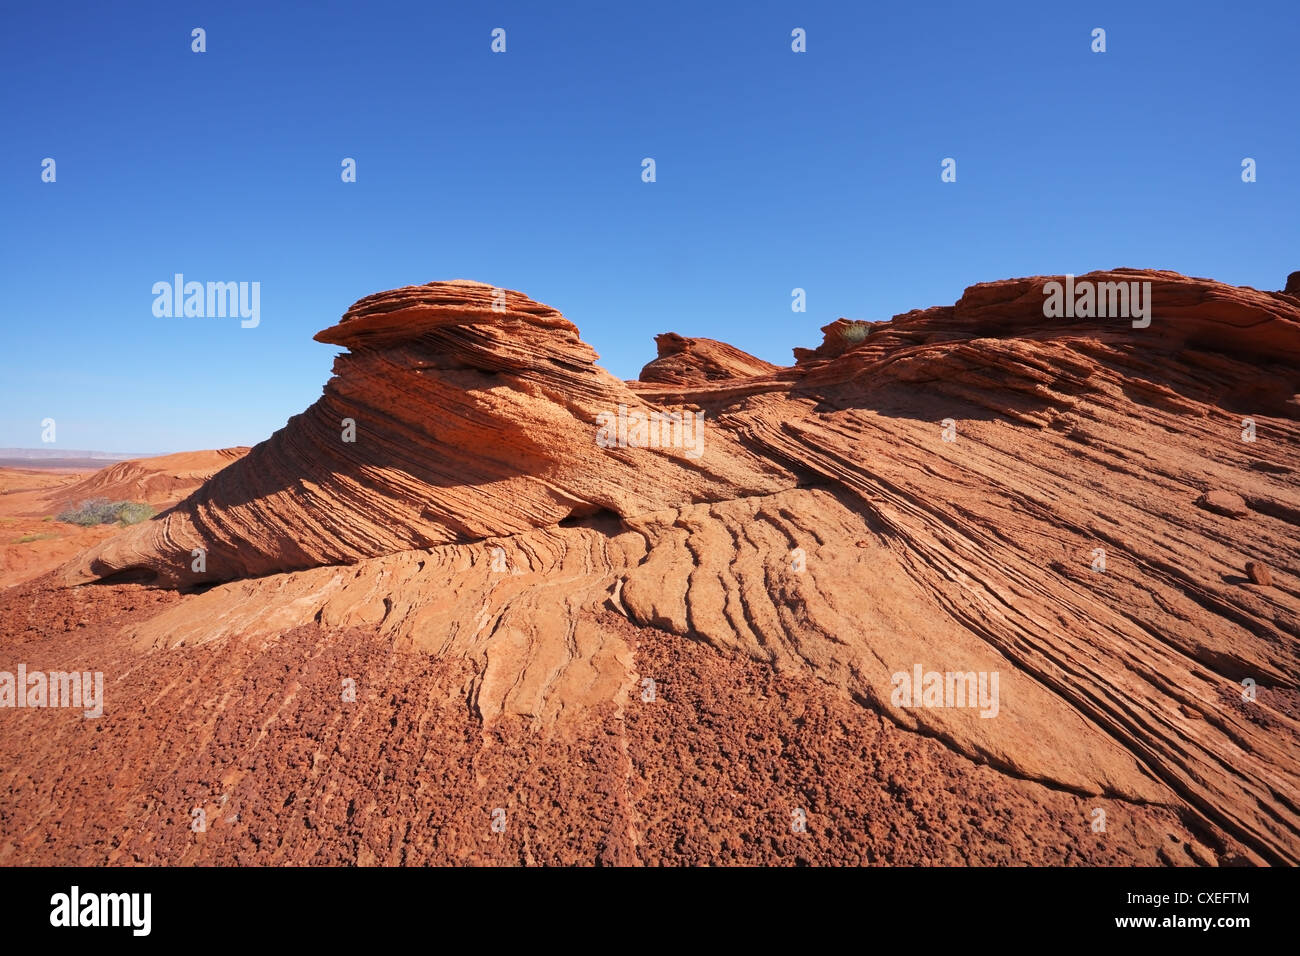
133 512
856 331
103 511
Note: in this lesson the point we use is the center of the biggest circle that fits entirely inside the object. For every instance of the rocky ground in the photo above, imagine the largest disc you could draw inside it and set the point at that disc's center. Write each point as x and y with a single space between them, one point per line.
256 733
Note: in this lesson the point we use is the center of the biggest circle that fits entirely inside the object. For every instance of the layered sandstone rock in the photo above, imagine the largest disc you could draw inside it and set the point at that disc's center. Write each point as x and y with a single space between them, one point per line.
682 361
973 488
165 478
447 420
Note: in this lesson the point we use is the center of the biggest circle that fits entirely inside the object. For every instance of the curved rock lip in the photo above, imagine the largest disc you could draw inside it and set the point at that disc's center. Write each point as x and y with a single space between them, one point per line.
404 313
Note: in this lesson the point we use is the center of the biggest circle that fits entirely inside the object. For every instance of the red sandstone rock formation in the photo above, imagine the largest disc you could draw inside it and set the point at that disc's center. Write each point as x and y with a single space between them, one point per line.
682 361
968 488
162 479
446 421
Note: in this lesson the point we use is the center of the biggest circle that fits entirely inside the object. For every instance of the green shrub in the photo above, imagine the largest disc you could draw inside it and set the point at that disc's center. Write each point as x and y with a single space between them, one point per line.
133 512
103 511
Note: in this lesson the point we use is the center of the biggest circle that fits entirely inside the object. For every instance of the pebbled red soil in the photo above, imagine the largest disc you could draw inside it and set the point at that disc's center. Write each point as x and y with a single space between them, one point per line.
255 732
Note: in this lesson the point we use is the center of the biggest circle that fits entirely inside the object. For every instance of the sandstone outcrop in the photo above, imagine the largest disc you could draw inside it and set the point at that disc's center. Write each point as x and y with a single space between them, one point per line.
448 420
683 361
973 488
162 479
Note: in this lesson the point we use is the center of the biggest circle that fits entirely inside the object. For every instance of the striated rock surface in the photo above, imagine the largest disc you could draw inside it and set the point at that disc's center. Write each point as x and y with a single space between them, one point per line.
161 479
970 489
682 361
447 420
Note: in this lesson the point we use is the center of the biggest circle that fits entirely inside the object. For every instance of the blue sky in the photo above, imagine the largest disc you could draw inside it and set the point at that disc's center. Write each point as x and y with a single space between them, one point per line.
775 170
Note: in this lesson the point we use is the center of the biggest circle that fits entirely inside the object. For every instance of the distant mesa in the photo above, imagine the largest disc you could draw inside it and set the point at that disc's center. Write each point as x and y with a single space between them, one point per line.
56 452
55 458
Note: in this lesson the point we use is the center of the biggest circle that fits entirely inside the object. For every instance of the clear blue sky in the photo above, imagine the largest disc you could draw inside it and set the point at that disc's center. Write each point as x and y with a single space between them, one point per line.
775 170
